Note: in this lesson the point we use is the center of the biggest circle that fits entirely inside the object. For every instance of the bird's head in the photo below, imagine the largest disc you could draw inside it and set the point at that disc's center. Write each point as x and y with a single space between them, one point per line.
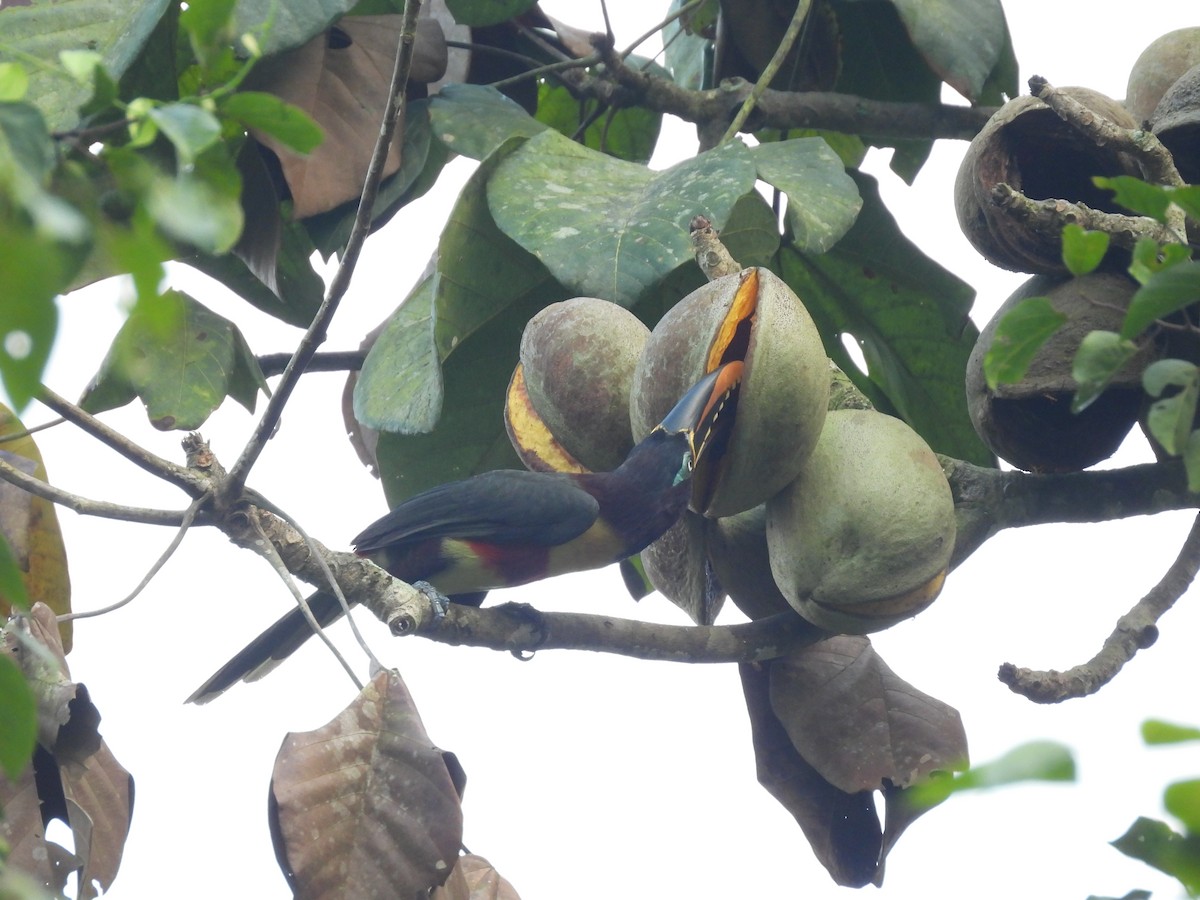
703 416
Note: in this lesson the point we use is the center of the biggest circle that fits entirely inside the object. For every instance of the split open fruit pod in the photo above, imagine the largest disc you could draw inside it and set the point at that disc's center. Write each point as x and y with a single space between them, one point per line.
755 318
1028 147
1176 122
1030 423
1160 65
567 407
862 538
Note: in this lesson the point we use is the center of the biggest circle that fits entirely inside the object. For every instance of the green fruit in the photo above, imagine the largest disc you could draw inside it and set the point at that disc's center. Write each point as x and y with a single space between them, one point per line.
862 538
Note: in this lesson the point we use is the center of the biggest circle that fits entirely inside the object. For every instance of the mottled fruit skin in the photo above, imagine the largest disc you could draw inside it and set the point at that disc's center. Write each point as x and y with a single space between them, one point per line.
1030 423
1176 122
862 538
1160 65
579 357
783 397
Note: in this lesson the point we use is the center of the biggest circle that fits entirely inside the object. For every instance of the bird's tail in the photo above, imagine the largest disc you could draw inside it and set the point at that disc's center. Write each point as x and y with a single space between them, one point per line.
270 648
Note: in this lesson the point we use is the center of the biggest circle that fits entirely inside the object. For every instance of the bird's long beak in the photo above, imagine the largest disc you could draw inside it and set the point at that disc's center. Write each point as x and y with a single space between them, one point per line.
705 413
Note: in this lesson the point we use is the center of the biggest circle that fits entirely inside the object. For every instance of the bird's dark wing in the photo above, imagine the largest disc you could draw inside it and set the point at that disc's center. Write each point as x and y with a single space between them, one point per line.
505 506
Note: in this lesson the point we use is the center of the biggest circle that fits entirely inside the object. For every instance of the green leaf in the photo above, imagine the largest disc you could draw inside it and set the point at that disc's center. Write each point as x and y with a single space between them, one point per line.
1156 731
181 359
200 205
1188 199
286 123
1100 356
686 54
1032 761
12 582
279 26
1182 800
628 133
474 119
190 128
1083 250
18 712
14 82
33 271
1166 291
399 387
1191 460
1170 419
823 201
907 313
1157 844
487 12
42 30
961 40
607 228
1019 336
208 25
1137 196
1149 257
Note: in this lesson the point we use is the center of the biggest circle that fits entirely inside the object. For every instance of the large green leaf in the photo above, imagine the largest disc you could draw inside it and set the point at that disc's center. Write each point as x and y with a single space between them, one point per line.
281 26
961 40
880 62
18 712
629 133
484 290
686 53
607 228
474 119
181 359
42 29
907 313
823 200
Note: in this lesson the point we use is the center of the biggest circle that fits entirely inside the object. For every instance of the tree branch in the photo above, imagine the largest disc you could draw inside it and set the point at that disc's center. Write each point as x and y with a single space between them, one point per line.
1049 217
990 500
392 125
194 484
334 361
713 110
1136 630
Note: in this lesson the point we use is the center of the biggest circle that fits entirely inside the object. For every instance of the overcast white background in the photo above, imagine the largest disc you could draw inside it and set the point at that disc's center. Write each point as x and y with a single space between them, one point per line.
593 776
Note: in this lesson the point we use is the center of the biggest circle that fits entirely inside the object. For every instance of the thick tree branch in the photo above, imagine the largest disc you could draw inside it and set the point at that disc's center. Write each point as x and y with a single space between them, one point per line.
1136 630
1049 217
989 500
713 110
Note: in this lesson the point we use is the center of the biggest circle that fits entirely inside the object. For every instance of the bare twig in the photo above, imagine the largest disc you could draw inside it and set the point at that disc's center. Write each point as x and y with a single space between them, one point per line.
338 361
1155 158
189 517
714 260
679 13
770 70
392 124
86 507
1136 630
191 482
30 431
1049 217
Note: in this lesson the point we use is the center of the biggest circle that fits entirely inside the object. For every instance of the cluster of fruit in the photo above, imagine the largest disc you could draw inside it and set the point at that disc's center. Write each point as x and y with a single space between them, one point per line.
844 515
1028 147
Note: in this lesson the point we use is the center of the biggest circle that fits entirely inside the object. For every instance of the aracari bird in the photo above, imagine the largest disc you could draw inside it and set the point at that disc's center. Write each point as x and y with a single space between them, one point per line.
506 528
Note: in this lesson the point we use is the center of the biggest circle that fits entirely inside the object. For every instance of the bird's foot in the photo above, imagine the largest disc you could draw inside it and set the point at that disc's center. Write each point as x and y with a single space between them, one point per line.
439 603
533 619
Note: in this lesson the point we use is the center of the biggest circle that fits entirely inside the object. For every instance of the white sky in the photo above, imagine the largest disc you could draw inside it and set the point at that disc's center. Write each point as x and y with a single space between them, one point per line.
593 776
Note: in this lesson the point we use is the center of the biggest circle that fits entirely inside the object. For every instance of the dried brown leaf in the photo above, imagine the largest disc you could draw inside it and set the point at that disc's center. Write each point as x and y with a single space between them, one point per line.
341 79
842 828
475 879
378 794
31 526
74 776
862 726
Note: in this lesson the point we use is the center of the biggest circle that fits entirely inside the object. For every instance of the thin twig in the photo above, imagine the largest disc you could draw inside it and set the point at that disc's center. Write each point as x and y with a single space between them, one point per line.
30 431
86 507
554 68
331 582
189 517
679 13
799 17
273 364
1136 630
392 125
192 483
266 549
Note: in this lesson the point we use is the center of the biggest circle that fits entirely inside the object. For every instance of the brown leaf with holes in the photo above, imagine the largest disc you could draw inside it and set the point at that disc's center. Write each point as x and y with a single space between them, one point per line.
842 828
475 879
31 526
73 777
341 79
858 723
364 806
